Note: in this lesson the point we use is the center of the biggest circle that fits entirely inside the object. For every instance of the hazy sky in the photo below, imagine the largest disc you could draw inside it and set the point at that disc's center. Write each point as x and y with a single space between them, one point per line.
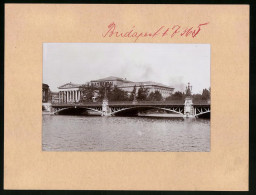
170 64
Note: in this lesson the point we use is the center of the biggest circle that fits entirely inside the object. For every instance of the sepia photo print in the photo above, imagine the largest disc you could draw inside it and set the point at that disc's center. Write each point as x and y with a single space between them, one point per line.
126 97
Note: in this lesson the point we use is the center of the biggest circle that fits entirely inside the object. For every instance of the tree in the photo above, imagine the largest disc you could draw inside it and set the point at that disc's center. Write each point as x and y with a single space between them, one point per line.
133 93
158 96
197 97
151 96
205 94
101 92
142 94
176 96
88 92
118 95
155 96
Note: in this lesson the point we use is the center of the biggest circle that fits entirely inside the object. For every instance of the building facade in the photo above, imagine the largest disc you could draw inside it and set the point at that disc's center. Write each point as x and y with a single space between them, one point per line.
70 92
150 86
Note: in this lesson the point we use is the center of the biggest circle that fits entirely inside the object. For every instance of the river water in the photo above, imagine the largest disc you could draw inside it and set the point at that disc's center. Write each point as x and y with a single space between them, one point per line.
134 134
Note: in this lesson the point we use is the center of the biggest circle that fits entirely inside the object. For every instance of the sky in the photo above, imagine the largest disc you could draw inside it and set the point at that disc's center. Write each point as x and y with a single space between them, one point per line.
171 64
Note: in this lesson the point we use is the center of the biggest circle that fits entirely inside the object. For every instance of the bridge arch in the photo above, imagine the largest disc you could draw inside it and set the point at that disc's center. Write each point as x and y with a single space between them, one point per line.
138 108
58 111
202 113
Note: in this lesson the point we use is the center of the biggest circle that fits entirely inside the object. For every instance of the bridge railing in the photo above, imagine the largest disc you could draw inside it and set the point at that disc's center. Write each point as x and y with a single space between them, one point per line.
146 103
78 104
201 102
128 103
121 103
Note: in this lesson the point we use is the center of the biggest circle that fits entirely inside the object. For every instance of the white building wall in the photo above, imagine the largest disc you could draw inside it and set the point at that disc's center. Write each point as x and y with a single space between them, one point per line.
69 95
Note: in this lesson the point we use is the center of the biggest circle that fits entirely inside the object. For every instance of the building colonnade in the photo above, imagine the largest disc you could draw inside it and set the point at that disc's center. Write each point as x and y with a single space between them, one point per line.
69 96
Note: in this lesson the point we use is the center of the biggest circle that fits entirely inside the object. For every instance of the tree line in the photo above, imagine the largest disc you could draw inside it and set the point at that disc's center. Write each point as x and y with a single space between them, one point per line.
92 93
205 95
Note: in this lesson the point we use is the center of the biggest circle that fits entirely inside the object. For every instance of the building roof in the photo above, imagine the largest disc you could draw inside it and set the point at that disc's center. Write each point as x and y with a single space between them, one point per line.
69 85
146 83
111 78
157 84
125 83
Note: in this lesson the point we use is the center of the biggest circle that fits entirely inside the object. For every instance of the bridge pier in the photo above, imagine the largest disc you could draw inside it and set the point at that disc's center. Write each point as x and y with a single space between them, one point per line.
106 111
189 108
47 107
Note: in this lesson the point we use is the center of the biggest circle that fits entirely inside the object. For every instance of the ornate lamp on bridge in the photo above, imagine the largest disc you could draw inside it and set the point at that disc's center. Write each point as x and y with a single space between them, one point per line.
188 90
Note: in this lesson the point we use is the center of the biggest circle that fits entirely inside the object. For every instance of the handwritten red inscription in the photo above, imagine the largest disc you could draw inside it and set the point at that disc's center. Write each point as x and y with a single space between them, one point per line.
163 31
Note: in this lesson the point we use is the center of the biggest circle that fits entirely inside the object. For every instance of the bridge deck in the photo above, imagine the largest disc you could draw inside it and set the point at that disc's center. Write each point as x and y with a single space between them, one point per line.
130 103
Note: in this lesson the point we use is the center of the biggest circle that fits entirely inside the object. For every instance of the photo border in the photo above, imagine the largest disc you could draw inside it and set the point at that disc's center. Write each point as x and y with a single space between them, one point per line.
252 111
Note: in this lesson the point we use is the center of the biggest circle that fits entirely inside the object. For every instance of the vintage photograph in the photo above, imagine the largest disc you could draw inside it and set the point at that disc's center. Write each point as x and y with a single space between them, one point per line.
126 97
